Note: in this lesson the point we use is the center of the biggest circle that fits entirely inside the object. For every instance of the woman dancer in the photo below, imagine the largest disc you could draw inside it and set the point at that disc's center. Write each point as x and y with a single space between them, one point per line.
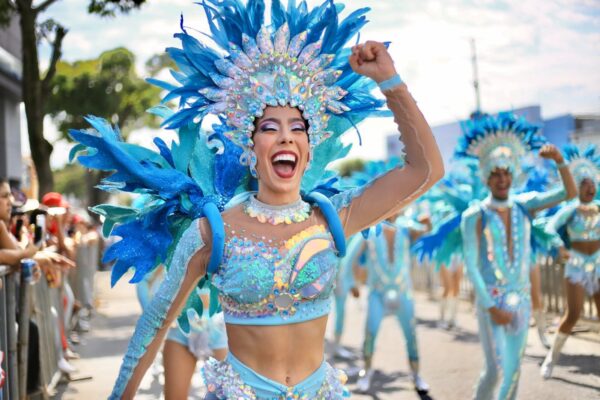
577 227
273 259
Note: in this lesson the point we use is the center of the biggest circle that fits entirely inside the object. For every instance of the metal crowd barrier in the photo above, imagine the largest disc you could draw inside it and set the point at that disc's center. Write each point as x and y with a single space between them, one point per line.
42 305
47 309
426 278
8 332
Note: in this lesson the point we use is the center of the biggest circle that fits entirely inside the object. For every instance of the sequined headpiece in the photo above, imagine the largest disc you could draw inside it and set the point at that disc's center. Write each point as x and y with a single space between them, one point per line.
584 163
299 59
498 142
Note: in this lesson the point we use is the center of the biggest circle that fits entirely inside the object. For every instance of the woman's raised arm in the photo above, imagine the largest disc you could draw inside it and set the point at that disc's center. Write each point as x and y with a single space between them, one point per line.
423 167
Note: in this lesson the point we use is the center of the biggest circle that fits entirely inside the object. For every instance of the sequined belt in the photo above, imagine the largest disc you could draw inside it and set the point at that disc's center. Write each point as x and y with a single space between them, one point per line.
516 300
231 379
279 307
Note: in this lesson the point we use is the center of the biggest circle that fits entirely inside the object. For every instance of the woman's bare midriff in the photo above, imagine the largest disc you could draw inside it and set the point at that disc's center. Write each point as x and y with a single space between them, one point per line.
587 248
287 354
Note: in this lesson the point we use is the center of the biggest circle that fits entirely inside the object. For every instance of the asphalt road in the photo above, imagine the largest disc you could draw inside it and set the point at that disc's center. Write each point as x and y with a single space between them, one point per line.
450 360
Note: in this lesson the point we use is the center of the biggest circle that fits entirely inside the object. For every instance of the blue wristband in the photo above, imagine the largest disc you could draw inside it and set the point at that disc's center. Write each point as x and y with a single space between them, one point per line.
562 164
390 83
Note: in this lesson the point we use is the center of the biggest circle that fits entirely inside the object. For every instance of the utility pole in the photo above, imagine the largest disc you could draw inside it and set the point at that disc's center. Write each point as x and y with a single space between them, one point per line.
475 78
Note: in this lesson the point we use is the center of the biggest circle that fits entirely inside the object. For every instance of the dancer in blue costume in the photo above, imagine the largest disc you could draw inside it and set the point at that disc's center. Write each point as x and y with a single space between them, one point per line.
284 92
182 351
576 227
442 246
496 235
345 283
390 293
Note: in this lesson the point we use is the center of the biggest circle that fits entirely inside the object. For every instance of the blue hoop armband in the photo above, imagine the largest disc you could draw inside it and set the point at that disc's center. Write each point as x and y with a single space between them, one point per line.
333 220
390 83
562 164
212 214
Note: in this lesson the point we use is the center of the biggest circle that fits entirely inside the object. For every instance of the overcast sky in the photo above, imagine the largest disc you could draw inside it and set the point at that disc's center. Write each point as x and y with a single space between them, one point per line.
544 52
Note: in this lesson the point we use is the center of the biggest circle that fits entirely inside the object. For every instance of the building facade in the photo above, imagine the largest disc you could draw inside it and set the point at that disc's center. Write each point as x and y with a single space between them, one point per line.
561 130
10 99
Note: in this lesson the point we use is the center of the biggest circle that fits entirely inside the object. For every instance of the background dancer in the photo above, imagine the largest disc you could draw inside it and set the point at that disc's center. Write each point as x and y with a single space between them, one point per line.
345 283
390 293
576 227
496 236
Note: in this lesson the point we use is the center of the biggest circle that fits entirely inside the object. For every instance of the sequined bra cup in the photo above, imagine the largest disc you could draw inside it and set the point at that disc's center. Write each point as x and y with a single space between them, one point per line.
267 283
584 228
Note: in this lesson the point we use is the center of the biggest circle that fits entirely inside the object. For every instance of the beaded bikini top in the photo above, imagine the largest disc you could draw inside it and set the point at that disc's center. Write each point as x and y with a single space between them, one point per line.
266 282
584 226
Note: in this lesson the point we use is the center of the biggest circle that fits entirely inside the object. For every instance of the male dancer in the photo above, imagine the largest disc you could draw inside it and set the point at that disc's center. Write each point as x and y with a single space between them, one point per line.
496 237
390 292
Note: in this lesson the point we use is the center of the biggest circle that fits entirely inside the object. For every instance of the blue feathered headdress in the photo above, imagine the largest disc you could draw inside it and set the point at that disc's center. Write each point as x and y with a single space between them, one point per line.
299 59
498 141
584 163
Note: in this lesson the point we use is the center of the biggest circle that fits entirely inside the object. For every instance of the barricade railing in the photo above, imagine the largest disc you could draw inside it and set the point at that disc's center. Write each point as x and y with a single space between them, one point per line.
41 305
426 278
47 314
8 332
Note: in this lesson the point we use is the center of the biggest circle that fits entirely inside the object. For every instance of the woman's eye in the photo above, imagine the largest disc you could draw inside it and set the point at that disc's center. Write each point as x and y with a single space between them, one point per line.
268 126
298 127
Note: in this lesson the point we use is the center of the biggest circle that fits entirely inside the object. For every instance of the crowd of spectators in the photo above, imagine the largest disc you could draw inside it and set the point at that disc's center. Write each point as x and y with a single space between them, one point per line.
64 244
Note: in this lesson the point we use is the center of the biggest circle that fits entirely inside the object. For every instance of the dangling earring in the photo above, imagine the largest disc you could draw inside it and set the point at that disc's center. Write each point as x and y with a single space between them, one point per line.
252 164
248 158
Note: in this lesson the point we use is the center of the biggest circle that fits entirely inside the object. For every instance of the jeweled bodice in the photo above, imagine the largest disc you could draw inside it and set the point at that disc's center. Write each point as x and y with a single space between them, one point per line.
501 266
584 226
386 272
264 282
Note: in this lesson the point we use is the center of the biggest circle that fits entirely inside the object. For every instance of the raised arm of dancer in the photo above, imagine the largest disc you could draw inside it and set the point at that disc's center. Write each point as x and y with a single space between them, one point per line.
386 195
567 191
185 269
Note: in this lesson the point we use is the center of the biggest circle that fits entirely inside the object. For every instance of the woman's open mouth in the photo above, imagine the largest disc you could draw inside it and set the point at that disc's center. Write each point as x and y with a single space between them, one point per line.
284 164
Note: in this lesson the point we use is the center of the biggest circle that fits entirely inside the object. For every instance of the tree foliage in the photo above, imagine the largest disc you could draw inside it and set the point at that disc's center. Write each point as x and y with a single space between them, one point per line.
71 180
36 86
108 87
347 167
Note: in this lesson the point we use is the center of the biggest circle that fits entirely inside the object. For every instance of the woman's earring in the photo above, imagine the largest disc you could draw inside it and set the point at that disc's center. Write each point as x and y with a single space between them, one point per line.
252 165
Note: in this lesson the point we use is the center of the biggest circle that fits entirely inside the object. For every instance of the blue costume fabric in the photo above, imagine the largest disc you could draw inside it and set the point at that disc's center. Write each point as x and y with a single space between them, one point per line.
569 225
389 282
390 286
345 281
499 271
497 257
578 222
234 380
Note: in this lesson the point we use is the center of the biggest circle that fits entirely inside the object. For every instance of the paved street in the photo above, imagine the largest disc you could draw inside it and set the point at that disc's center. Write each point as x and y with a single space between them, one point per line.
451 361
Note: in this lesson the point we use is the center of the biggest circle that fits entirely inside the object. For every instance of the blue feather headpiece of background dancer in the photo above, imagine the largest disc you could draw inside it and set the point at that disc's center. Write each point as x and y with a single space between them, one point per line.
299 59
584 163
498 142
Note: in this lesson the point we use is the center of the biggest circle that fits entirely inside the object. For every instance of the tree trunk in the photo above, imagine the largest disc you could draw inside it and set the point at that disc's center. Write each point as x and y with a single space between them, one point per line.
34 102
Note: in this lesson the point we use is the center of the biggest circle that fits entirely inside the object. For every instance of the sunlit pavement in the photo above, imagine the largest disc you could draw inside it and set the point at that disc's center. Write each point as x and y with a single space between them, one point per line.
450 360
